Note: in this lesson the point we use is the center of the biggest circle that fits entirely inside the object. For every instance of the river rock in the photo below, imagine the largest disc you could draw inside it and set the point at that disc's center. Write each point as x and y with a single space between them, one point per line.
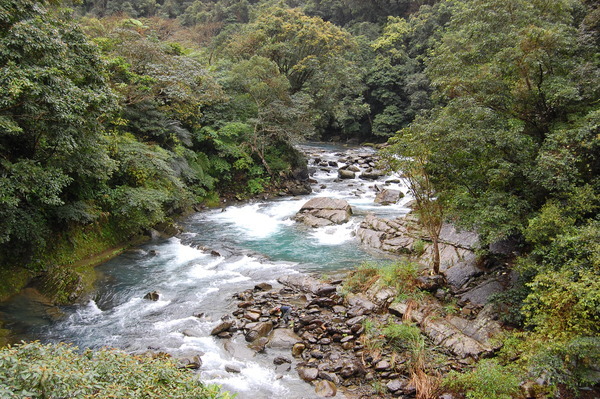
371 174
382 365
152 296
232 368
259 344
297 349
252 316
193 363
261 329
222 327
325 389
346 174
308 374
395 385
283 338
323 211
300 282
263 287
388 197
281 360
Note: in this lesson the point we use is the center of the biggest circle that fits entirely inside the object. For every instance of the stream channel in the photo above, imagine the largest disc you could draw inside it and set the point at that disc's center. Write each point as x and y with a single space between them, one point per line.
257 242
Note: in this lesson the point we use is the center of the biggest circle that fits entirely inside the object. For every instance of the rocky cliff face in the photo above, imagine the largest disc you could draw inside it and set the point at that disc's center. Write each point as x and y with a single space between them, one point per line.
405 236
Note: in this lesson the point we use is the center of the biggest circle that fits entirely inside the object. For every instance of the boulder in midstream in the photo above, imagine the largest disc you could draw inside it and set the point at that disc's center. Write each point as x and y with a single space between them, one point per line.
323 211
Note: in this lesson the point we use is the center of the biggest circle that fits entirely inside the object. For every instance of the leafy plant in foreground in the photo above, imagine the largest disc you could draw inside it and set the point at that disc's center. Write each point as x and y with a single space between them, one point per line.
59 371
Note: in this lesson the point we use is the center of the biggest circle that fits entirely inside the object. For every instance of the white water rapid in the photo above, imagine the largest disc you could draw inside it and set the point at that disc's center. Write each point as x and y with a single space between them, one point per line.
256 242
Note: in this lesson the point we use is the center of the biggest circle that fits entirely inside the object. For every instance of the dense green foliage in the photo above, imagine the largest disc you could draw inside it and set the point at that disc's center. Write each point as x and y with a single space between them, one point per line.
116 115
511 150
34 370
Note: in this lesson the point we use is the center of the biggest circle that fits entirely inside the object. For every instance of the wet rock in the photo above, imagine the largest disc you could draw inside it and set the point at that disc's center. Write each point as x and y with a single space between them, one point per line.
232 368
326 375
263 287
371 174
259 344
325 290
300 189
348 346
152 296
350 368
299 282
281 360
297 349
339 309
308 374
252 316
193 363
283 338
323 211
261 329
222 327
346 174
325 389
355 320
388 197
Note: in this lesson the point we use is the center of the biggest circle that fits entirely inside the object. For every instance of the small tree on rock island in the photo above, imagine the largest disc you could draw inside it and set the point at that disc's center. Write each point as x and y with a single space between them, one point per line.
407 156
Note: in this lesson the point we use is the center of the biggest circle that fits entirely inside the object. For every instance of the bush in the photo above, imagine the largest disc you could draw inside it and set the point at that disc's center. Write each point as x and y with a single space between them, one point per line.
58 371
488 380
362 278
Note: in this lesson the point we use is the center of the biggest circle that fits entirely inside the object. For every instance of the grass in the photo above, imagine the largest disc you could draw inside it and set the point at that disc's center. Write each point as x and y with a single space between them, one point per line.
401 276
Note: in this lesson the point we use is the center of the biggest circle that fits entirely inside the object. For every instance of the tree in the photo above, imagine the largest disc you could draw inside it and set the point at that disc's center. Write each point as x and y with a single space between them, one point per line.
278 115
398 86
299 45
511 76
51 112
408 156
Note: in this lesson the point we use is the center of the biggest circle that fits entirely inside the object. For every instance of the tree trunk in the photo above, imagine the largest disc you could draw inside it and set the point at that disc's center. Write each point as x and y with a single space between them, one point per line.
436 254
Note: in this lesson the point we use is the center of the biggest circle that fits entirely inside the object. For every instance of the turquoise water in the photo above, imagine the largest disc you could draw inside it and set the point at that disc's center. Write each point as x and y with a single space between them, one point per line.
257 242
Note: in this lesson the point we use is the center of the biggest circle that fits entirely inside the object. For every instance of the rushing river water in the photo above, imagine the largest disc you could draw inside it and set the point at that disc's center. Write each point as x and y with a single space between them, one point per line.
257 242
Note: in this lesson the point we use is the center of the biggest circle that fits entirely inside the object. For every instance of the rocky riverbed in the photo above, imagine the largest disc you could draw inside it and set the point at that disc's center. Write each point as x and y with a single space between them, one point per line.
325 335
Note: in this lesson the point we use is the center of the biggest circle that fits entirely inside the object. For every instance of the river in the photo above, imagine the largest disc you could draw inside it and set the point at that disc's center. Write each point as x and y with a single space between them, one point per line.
257 242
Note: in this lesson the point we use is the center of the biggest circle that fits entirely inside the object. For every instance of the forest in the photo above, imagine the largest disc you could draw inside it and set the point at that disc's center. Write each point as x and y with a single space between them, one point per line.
117 116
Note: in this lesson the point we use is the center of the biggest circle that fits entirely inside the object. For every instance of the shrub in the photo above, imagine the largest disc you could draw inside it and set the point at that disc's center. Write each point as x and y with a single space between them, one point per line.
403 336
362 278
488 380
58 371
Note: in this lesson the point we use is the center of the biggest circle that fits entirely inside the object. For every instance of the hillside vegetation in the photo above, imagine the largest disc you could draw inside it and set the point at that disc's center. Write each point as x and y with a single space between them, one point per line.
118 115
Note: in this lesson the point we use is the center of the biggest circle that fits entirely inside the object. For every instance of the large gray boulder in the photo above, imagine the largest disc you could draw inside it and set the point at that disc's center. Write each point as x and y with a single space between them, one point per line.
323 211
283 338
388 196
346 174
